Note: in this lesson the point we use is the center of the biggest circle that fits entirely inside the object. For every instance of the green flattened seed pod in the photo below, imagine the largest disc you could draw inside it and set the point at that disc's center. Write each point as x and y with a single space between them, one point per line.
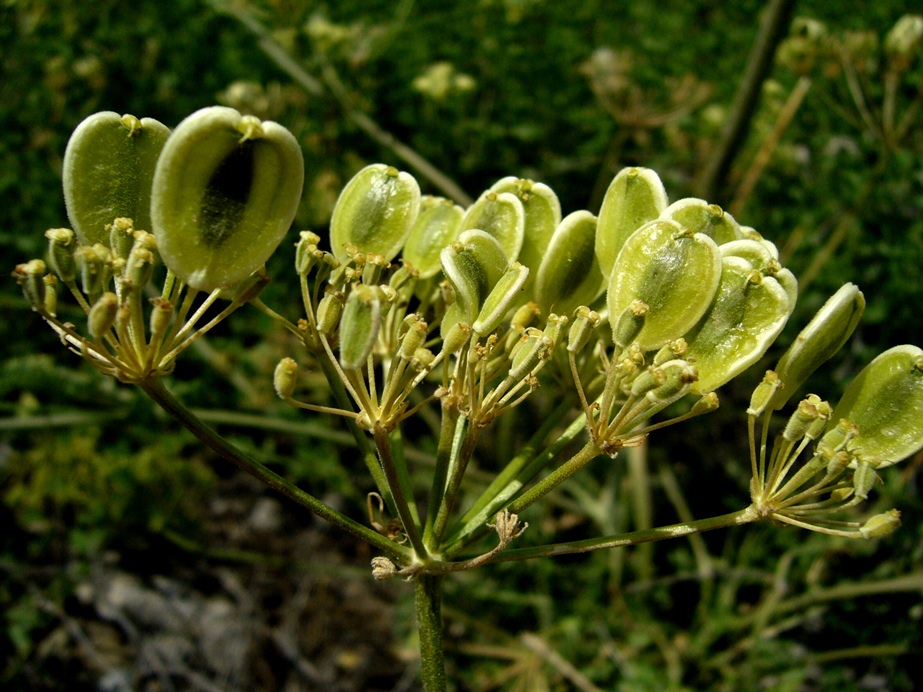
375 212
569 274
885 403
701 217
226 190
634 197
674 272
359 326
746 316
108 171
438 225
824 335
473 265
500 215
500 299
543 214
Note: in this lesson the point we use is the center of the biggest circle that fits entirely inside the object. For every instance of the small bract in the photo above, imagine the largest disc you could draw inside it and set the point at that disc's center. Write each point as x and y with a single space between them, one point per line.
108 172
225 192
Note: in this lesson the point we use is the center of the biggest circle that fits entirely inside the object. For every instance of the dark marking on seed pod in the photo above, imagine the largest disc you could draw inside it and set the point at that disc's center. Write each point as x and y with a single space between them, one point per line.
226 195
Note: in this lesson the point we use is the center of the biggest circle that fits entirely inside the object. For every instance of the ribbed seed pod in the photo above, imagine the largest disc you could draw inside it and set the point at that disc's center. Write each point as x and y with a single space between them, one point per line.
824 335
438 225
746 316
500 215
225 192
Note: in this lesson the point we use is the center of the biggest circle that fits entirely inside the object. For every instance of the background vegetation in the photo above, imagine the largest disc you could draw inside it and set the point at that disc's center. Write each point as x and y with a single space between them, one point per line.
111 520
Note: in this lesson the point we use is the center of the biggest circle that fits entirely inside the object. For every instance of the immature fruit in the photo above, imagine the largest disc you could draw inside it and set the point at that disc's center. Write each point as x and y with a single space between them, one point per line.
226 190
108 171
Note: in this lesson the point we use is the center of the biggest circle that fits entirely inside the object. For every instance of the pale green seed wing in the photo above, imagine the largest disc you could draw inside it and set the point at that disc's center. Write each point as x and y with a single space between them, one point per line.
672 271
225 192
569 274
701 217
473 265
500 215
437 225
746 316
108 172
375 212
634 197
885 401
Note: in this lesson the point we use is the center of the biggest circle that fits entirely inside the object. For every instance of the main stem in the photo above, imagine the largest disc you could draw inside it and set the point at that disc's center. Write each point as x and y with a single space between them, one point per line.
428 598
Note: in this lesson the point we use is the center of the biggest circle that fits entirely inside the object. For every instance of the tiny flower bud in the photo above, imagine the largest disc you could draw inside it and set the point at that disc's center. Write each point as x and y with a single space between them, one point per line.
29 276
630 323
61 245
305 253
524 316
329 311
102 315
800 420
881 525
93 273
422 359
413 340
679 376
763 393
121 236
458 335
161 314
51 293
585 321
285 378
359 326
706 404
864 479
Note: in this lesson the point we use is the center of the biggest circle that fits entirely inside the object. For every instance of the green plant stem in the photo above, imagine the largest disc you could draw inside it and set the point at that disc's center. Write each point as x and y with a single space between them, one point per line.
428 600
474 524
366 449
455 480
777 16
512 470
443 461
744 516
587 453
157 391
399 482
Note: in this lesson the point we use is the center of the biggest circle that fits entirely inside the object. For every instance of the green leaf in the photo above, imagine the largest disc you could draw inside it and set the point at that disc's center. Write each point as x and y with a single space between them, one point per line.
437 225
108 172
225 192
885 402
569 274
675 273
375 212
634 197
748 313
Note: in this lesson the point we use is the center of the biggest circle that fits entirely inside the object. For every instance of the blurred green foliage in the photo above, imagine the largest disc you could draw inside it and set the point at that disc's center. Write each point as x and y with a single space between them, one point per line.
564 93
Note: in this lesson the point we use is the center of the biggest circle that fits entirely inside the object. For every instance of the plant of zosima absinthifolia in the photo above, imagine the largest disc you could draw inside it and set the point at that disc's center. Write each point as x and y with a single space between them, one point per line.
413 302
